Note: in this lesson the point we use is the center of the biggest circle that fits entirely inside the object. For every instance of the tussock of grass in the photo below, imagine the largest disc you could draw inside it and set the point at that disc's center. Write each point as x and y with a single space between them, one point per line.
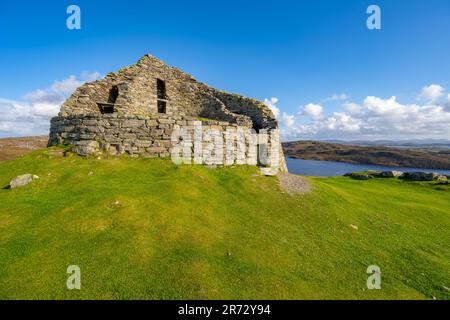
148 229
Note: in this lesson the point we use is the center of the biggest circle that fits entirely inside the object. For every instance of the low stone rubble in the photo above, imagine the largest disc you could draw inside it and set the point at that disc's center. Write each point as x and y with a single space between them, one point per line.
423 176
411 176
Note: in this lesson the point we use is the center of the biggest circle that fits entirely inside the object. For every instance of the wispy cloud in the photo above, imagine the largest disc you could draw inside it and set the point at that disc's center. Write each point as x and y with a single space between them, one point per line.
337 97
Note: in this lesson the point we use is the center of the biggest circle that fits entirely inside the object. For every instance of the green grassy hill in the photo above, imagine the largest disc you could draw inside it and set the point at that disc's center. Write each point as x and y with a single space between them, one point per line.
148 229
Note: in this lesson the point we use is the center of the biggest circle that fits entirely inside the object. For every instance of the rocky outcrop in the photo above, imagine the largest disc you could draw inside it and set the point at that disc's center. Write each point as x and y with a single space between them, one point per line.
391 174
359 176
423 176
413 176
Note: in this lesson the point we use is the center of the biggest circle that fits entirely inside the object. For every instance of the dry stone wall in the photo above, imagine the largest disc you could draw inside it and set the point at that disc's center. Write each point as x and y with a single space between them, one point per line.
137 94
220 143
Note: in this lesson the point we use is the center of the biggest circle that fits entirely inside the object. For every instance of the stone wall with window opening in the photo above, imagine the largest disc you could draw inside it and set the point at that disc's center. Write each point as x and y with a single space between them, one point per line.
132 110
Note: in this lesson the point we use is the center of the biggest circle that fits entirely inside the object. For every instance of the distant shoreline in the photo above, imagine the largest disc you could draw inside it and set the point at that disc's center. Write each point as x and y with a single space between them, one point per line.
417 157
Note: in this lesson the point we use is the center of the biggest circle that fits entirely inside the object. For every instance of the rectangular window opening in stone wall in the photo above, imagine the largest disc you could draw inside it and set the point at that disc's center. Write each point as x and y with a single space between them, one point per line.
161 95
105 109
161 89
162 106
113 94
108 107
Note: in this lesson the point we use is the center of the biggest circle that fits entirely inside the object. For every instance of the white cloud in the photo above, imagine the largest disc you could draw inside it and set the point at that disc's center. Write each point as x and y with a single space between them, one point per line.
40 95
272 104
22 118
32 115
374 118
431 93
66 86
385 107
314 111
340 121
338 97
352 108
288 120
90 76
60 90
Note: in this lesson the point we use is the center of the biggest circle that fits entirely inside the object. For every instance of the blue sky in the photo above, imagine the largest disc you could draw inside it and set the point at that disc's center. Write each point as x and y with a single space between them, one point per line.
301 52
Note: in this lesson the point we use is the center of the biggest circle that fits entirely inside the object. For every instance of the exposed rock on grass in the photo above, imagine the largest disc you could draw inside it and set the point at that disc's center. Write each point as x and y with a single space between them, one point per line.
391 174
22 180
412 176
359 176
423 176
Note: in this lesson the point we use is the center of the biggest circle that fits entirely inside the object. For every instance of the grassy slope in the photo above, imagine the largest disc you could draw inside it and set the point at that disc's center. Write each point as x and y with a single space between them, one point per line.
170 234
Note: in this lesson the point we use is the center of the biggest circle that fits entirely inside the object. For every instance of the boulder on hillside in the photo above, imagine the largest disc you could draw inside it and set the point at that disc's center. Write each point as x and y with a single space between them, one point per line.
371 173
348 174
22 180
391 174
423 176
361 176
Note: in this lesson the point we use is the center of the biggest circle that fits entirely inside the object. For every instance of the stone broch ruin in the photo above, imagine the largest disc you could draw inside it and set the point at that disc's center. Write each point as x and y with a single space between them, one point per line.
136 110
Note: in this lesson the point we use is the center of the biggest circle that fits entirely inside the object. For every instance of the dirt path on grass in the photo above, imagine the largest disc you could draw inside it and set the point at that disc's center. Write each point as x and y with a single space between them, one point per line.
294 184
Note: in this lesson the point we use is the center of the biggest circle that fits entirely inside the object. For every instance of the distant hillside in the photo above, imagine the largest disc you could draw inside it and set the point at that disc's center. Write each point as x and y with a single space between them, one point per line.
11 148
433 158
409 144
